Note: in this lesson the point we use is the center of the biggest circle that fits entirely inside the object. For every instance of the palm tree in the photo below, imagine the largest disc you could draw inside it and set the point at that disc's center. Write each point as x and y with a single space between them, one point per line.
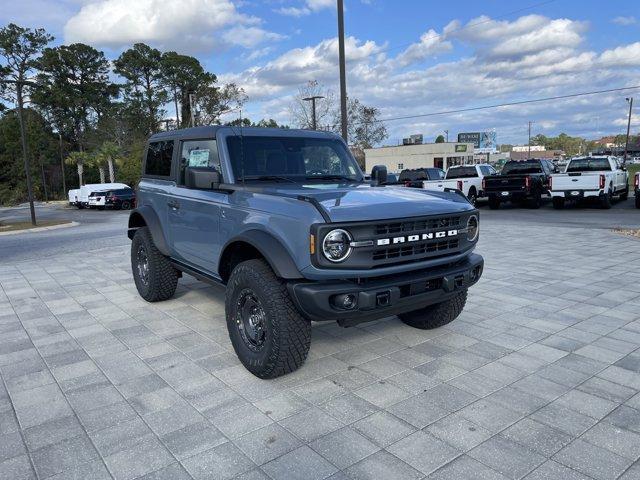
78 159
109 152
98 161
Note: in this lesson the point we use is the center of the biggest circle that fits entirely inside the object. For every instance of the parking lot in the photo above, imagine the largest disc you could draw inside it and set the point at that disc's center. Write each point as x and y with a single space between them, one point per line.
539 378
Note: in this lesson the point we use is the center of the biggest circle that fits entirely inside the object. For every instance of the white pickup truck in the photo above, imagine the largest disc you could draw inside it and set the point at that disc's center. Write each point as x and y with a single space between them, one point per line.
466 178
592 177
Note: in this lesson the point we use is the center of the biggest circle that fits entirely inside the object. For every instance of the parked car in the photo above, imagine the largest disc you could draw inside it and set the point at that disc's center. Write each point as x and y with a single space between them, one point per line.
123 198
593 177
97 200
86 190
466 178
523 181
636 187
285 221
415 177
74 197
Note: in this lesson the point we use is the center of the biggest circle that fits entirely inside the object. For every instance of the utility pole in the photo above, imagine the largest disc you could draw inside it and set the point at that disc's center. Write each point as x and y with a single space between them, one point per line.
529 144
64 182
314 125
446 133
343 78
23 137
626 145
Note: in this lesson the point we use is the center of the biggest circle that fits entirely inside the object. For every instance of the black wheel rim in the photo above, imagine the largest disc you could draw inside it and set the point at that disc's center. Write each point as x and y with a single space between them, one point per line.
251 320
142 264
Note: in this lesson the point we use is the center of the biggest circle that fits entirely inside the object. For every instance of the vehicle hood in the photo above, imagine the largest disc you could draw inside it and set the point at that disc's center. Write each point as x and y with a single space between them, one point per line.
363 202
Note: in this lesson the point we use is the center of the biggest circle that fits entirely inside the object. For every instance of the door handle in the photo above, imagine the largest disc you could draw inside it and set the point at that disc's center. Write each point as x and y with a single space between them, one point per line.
173 204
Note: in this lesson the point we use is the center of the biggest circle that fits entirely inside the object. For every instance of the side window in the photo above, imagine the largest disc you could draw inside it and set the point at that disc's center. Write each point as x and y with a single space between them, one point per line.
485 171
198 153
159 156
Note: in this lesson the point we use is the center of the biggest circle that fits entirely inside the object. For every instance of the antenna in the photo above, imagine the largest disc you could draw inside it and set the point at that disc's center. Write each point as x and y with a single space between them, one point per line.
241 150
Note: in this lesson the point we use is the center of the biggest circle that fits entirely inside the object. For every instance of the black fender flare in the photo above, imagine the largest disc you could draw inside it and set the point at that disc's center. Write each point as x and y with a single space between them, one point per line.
271 249
146 216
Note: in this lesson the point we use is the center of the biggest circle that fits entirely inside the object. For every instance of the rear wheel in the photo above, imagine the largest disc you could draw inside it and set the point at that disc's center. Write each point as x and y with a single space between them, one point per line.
494 203
558 203
155 278
606 200
473 197
536 201
269 335
637 200
625 195
434 316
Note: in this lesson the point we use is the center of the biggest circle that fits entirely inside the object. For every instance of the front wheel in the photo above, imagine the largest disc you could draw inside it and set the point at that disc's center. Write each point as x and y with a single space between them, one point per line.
434 316
494 203
637 201
155 278
125 205
269 335
558 203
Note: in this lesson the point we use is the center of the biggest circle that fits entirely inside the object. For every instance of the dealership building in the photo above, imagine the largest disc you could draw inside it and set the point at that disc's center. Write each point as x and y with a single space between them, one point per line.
424 155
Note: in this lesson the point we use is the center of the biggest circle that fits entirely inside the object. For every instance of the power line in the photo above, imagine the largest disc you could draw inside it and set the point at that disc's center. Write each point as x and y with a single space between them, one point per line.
507 104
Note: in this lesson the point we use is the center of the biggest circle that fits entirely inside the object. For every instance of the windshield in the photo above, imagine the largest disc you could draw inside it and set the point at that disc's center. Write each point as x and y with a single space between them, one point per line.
589 165
461 172
291 159
521 167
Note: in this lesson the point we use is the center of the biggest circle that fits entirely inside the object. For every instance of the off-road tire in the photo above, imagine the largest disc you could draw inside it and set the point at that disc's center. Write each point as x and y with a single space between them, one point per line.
558 203
494 203
162 276
434 316
625 195
287 333
606 200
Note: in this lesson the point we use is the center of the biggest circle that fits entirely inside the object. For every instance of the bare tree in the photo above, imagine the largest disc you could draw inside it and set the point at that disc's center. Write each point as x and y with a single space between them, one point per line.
326 108
211 102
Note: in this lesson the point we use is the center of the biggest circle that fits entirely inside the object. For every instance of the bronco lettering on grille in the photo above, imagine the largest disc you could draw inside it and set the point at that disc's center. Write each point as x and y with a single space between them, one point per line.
417 238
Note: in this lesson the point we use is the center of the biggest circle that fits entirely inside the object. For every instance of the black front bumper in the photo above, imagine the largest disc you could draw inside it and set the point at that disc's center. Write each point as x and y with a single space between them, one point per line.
386 296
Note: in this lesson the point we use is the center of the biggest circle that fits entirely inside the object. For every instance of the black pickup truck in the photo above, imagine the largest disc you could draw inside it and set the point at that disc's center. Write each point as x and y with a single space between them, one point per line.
520 182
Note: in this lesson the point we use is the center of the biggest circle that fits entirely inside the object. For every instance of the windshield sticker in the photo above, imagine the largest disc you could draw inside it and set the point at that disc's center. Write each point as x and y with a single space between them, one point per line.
199 158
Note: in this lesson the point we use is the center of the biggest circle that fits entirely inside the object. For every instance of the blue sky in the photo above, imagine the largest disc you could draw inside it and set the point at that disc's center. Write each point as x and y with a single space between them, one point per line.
404 57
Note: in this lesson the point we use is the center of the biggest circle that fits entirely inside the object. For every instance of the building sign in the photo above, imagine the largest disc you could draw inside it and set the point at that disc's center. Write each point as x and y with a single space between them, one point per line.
484 142
461 148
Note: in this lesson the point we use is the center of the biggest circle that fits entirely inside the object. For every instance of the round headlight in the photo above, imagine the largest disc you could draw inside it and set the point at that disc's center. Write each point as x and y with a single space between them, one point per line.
336 245
473 228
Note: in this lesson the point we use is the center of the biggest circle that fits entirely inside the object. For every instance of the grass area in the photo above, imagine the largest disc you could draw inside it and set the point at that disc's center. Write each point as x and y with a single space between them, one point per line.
633 169
14 226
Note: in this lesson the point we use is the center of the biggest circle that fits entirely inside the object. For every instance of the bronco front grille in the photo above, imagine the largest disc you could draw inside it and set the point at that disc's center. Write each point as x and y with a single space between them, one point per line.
417 225
416 250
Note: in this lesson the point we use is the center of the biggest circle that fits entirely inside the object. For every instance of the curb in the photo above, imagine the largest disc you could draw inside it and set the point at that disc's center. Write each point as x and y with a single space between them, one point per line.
41 229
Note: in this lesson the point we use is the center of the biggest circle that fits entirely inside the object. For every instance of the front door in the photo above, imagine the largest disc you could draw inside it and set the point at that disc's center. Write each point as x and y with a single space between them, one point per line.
438 162
194 215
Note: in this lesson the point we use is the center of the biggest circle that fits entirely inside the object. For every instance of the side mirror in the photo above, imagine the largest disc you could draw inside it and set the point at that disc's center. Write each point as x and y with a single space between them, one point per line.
202 178
379 174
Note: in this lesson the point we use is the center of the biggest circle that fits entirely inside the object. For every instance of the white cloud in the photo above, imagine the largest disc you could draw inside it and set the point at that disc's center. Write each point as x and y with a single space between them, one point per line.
625 21
531 57
309 7
188 25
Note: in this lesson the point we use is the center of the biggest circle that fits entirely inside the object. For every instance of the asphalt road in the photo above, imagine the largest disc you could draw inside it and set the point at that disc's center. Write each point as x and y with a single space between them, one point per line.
100 229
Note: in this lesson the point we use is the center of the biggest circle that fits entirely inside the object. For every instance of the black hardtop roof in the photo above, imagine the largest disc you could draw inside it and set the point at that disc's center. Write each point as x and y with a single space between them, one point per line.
212 130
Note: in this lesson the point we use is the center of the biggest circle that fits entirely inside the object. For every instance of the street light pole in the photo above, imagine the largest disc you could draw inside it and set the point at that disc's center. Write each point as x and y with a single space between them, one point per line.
529 144
343 78
314 125
446 133
626 145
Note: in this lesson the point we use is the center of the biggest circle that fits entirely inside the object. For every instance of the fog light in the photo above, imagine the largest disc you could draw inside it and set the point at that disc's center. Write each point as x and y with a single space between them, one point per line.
345 301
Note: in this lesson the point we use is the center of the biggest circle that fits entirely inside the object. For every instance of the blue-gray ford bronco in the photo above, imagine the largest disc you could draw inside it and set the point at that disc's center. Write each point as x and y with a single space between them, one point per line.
285 220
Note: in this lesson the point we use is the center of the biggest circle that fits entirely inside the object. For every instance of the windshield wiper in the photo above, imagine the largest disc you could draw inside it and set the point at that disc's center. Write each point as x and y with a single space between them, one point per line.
330 177
266 178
